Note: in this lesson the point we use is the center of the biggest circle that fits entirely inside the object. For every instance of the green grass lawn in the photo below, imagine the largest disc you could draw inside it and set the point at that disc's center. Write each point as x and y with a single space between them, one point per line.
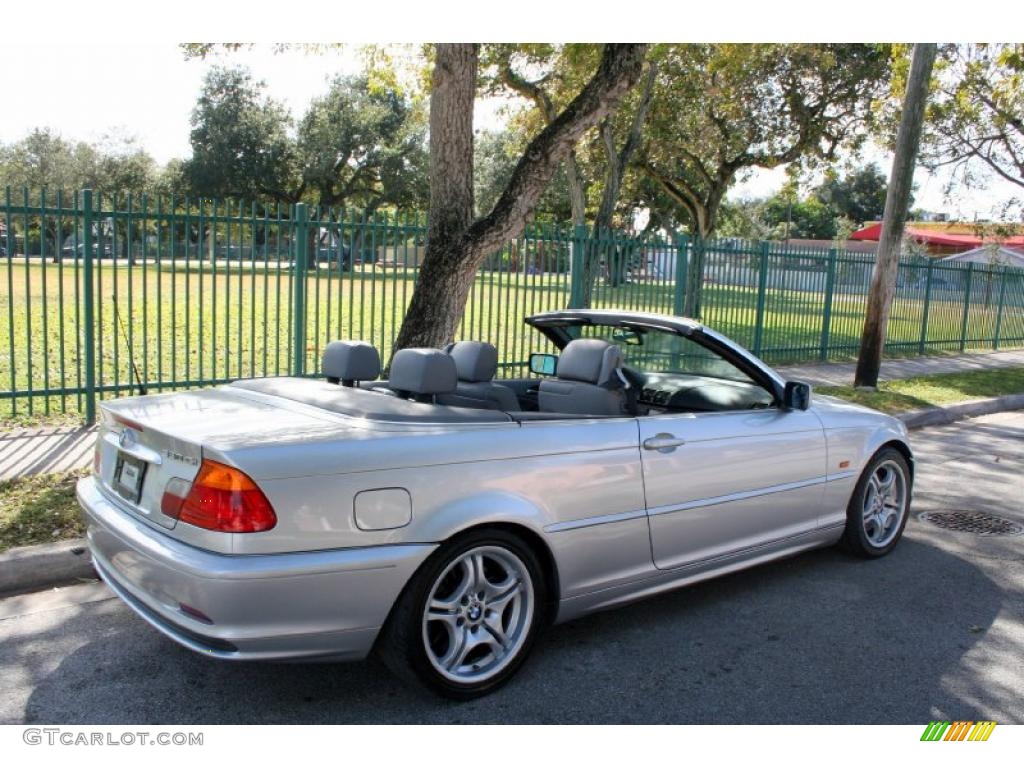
938 389
39 510
204 322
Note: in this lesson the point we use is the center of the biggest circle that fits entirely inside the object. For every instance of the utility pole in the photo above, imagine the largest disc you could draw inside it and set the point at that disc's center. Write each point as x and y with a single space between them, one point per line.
897 201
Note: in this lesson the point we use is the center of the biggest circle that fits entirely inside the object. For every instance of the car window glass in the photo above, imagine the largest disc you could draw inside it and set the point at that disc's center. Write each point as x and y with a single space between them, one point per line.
654 351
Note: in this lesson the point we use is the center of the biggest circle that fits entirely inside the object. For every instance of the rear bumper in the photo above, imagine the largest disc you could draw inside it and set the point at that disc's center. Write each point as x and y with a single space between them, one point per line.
328 603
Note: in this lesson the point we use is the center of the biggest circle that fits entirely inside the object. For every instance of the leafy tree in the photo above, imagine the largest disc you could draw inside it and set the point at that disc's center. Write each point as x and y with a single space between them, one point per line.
745 218
618 153
556 73
494 158
363 145
120 164
975 118
171 180
44 159
457 243
791 218
858 196
719 110
240 142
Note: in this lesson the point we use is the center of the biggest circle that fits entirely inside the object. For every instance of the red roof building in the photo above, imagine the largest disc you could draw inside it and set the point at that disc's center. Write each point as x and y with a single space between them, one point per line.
940 239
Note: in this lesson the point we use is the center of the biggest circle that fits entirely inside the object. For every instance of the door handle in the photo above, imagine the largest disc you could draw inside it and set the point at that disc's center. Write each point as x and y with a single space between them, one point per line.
663 442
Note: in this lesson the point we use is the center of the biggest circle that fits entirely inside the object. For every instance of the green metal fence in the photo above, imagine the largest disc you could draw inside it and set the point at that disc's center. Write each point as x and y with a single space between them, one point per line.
195 292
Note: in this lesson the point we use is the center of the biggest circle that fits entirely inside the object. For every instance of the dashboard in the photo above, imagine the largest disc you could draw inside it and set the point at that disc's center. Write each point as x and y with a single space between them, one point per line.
690 392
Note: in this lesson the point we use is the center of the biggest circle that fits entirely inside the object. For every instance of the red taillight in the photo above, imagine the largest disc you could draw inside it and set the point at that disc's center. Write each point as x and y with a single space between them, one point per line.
96 458
222 498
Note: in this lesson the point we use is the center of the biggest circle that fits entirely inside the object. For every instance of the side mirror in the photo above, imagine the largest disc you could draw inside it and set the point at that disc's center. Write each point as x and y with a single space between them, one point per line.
796 396
543 364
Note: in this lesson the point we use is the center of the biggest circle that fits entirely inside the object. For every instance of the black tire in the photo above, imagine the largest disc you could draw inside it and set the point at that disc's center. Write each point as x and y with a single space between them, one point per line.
856 539
402 644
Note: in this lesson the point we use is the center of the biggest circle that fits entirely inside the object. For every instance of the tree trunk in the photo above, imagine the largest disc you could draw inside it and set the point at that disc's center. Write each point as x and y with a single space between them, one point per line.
577 191
897 202
444 280
702 212
456 247
617 160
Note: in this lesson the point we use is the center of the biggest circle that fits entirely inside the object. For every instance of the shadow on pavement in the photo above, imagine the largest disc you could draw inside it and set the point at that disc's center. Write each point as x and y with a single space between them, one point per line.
821 638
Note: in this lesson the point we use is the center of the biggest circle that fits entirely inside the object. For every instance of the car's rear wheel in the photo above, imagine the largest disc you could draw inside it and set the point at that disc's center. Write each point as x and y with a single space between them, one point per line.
878 509
467 620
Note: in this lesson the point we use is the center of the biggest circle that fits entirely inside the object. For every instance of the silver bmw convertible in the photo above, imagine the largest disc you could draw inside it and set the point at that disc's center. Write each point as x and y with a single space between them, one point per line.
442 518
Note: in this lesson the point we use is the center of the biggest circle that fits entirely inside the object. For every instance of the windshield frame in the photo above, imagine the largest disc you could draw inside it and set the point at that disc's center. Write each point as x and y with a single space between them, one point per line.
554 326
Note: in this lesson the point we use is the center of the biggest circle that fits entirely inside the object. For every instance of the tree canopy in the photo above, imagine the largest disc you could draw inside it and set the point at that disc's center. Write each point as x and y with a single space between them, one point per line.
720 110
359 144
240 141
831 210
363 145
43 159
975 117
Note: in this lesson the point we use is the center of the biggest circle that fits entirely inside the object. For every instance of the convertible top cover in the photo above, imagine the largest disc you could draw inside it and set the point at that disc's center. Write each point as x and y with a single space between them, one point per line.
373 404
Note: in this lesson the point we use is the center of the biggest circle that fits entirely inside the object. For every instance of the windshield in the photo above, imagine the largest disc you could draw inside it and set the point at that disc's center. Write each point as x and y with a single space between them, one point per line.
655 351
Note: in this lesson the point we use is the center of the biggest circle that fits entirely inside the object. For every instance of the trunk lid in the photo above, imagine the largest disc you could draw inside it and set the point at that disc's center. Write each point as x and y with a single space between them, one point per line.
145 443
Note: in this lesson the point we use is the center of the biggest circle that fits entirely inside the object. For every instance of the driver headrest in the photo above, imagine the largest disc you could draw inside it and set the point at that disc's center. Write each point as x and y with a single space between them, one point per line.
590 360
422 371
474 360
350 361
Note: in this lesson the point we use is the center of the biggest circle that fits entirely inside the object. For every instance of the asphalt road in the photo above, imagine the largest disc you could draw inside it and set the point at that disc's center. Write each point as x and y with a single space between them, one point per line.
934 631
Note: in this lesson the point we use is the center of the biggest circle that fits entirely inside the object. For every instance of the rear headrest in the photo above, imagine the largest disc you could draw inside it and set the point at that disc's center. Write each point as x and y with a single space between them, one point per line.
350 361
590 360
474 360
422 372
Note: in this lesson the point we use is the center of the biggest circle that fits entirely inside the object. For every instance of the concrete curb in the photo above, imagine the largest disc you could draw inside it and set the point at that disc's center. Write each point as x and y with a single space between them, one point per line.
28 569
930 417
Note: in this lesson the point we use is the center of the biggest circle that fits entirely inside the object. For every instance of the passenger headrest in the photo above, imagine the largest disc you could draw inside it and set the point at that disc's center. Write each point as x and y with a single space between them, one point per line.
422 372
350 361
474 360
590 360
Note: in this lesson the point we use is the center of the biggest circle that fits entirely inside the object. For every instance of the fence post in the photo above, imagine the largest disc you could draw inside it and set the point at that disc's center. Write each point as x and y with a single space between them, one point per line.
762 289
695 278
300 226
88 320
679 291
826 320
999 311
576 270
922 344
967 307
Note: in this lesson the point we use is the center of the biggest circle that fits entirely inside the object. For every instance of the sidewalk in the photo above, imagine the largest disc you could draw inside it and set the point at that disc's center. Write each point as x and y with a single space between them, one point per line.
57 449
45 449
841 374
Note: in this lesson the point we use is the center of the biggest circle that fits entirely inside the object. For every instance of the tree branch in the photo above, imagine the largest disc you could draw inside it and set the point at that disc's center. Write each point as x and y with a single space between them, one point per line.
619 69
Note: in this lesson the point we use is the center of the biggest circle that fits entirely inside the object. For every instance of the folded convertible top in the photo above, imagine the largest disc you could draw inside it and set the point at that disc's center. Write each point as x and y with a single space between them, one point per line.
373 404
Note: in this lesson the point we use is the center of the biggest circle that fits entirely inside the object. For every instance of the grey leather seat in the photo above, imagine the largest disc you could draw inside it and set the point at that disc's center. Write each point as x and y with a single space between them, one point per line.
588 381
350 362
476 363
422 374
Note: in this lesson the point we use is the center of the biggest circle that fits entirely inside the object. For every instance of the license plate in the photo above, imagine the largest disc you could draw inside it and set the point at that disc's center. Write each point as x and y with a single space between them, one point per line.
128 474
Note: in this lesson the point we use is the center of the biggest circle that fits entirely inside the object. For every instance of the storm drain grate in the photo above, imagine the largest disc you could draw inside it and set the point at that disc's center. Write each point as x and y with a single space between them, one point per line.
968 521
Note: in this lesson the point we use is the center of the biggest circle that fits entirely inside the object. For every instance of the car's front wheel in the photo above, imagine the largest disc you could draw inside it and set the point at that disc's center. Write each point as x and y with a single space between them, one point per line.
878 509
467 620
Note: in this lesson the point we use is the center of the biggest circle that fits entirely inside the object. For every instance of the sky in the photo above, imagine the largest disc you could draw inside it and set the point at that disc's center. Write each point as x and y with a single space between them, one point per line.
84 91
